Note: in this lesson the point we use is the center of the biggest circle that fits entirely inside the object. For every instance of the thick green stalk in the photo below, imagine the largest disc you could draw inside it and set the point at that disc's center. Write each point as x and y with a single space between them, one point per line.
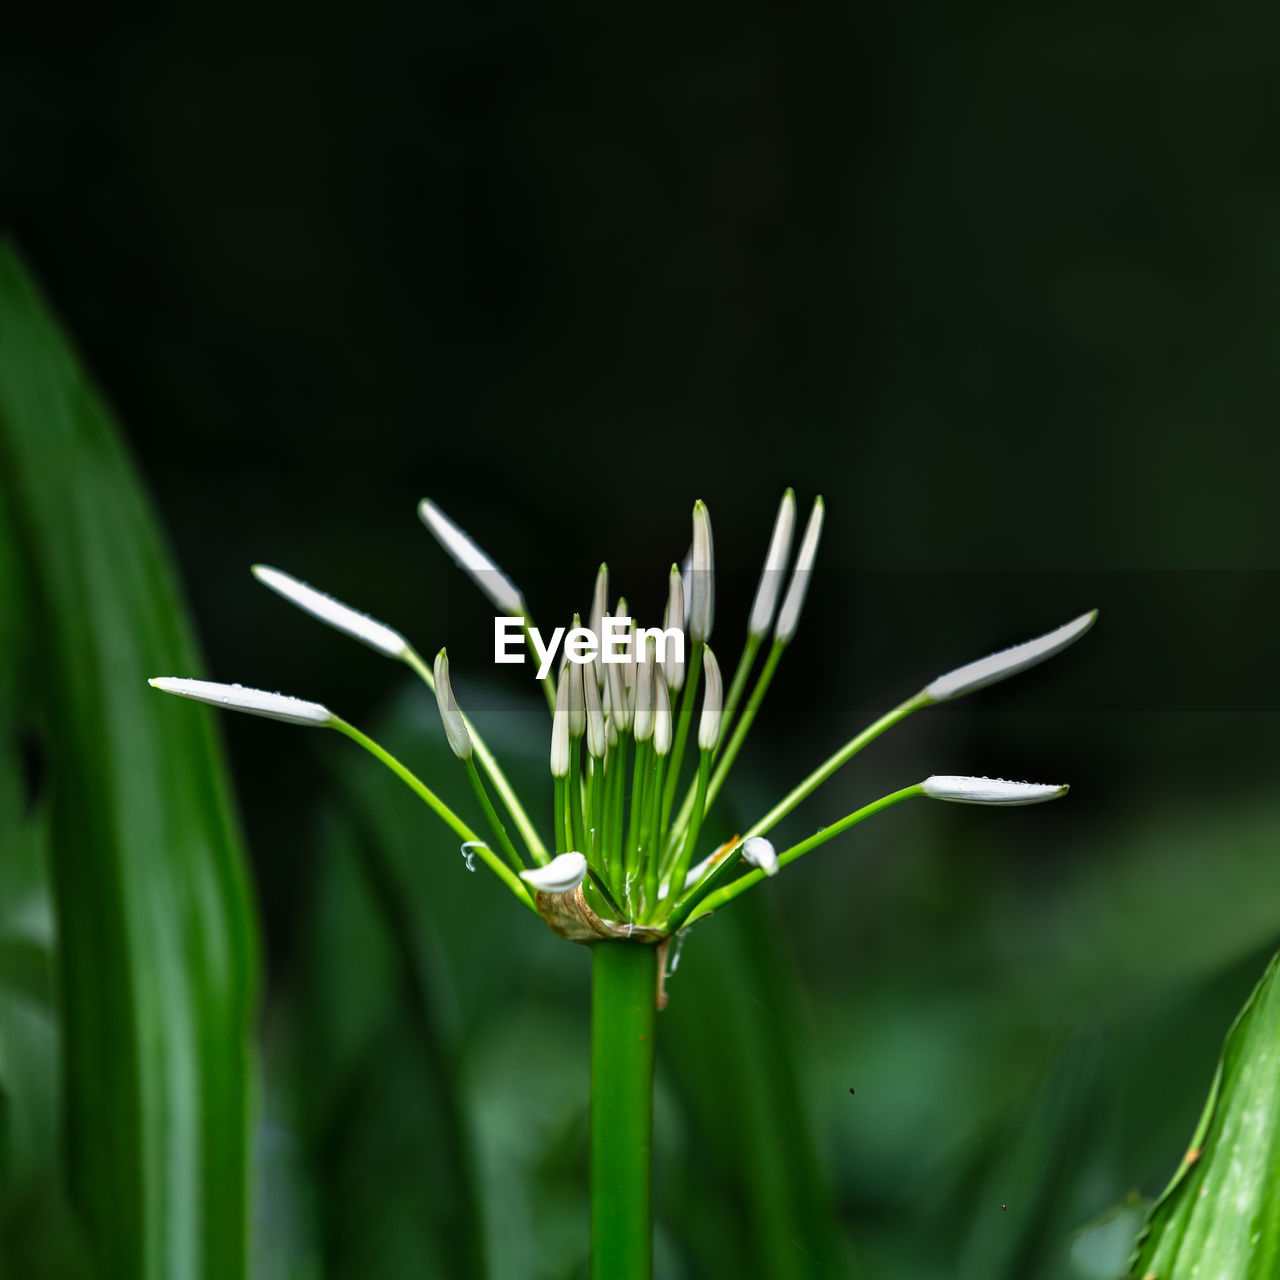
624 984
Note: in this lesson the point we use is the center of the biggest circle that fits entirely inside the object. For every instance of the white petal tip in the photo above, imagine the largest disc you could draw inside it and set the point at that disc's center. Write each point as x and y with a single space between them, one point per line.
1009 662
760 852
468 557
333 612
962 790
562 874
256 702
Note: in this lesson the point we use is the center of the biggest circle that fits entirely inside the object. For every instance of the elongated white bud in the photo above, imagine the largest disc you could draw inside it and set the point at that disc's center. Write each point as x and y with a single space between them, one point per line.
661 714
468 557
673 616
628 665
616 692
686 575
702 588
760 852
560 728
338 615
989 790
642 725
793 601
599 606
597 739
450 715
1008 662
257 702
578 674
562 874
712 703
775 566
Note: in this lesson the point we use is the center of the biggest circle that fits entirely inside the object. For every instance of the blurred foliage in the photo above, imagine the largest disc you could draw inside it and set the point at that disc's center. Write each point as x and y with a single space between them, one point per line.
1221 1213
124 1082
1002 281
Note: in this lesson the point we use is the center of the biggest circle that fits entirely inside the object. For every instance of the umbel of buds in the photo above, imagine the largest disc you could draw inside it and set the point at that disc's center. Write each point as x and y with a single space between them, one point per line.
640 750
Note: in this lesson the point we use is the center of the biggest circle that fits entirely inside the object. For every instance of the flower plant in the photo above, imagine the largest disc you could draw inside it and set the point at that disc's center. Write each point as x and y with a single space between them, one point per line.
633 779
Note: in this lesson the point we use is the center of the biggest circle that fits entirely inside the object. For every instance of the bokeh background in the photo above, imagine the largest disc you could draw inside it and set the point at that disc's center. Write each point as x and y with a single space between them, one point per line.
1002 283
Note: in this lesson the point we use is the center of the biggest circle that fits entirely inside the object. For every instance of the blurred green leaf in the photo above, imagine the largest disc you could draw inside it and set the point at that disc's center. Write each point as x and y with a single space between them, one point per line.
1220 1215
156 945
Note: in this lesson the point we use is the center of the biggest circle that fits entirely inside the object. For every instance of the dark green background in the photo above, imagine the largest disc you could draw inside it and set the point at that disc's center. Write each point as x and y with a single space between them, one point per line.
1002 282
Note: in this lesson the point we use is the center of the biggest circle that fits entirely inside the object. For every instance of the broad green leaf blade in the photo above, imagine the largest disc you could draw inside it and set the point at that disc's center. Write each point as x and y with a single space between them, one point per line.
1219 1218
156 952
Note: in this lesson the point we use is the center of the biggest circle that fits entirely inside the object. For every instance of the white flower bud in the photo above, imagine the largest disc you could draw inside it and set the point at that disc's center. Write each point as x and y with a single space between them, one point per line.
599 606
560 875
597 740
257 702
578 674
628 664
760 852
338 615
793 601
468 557
673 617
712 703
661 714
616 695
560 729
989 790
1008 662
775 565
454 728
702 588
642 724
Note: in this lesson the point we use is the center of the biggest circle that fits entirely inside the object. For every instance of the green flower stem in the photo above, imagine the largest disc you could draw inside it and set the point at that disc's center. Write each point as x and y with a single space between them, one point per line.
841 757
745 663
618 789
689 911
577 823
441 810
688 697
562 838
589 811
681 868
651 838
743 727
624 983
528 831
638 775
730 750
495 823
